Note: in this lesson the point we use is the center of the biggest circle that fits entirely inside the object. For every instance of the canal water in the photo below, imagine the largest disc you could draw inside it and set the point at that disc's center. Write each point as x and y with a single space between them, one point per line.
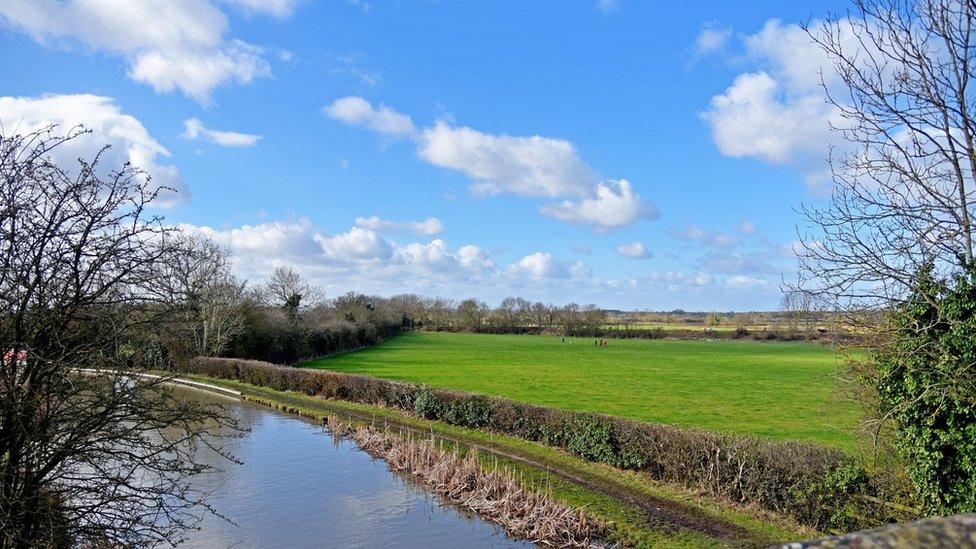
297 487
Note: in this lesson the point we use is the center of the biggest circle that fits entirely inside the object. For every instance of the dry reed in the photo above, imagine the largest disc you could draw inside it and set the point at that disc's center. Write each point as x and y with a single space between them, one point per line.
493 495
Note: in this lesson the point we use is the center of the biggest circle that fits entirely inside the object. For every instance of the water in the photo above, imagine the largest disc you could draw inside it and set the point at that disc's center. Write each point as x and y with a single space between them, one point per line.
298 488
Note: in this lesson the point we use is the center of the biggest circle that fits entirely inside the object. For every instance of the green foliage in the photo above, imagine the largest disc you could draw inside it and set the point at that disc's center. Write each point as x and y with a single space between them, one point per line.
468 412
925 383
836 494
427 405
591 437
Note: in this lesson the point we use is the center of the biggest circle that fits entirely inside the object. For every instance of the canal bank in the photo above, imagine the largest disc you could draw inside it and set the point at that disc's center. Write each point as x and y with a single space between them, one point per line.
635 510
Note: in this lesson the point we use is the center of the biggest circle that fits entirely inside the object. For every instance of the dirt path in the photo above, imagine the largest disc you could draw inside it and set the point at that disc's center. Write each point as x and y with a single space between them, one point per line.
661 514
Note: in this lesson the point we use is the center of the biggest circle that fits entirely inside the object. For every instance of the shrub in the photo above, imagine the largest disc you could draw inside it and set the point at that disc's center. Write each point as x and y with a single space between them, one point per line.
592 438
427 405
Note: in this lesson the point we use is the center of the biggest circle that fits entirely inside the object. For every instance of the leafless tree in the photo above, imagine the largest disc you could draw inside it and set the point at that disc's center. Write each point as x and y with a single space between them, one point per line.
289 290
195 279
85 459
903 187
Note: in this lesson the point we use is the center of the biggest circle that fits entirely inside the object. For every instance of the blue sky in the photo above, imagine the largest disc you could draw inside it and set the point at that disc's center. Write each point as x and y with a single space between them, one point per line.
623 153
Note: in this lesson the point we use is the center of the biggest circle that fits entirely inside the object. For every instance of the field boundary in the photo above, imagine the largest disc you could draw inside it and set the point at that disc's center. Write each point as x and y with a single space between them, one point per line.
662 511
818 487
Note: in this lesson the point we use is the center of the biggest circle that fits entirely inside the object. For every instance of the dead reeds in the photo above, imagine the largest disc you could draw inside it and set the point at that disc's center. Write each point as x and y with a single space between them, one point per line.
495 495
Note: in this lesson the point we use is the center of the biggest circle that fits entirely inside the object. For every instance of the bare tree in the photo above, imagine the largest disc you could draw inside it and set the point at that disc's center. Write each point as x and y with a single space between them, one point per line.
195 279
472 314
904 189
287 289
85 459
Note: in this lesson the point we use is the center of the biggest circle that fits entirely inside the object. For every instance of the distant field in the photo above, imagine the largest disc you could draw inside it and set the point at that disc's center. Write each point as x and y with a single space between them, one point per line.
779 390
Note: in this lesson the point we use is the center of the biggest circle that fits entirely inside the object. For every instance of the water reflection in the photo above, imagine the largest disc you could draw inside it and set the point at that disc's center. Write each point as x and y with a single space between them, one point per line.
298 488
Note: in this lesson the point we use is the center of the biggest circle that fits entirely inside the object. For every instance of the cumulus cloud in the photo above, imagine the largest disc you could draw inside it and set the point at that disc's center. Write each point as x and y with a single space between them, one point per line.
711 239
194 129
359 261
167 45
356 257
357 244
542 265
582 249
534 166
266 242
754 119
528 166
634 250
356 111
437 255
615 205
777 112
129 140
747 227
428 227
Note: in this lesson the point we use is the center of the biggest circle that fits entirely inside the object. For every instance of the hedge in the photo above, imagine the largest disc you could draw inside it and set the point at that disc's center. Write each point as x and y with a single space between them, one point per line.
820 487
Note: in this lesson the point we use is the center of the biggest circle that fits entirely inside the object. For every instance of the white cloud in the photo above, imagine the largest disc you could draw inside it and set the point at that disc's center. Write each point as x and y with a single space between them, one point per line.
533 166
473 257
747 227
528 166
744 281
778 112
608 6
167 44
634 250
437 255
542 265
194 129
711 239
713 38
265 242
357 261
356 111
754 119
428 227
357 244
130 141
276 8
615 205
582 249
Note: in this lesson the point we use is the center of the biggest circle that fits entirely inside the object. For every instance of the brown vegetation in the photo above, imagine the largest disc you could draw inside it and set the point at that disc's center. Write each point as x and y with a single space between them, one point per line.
494 495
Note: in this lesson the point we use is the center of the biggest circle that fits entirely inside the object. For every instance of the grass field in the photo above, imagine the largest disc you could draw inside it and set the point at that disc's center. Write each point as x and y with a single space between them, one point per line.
779 390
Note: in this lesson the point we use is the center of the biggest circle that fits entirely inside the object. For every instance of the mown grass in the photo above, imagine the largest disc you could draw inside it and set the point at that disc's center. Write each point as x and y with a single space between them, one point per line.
782 391
625 523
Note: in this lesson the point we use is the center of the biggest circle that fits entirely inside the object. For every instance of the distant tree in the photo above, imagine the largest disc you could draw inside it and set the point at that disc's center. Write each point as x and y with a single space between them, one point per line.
86 460
594 318
570 318
472 314
542 315
195 280
287 289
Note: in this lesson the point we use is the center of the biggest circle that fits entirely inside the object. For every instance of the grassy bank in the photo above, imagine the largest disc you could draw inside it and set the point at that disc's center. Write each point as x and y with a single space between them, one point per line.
637 510
778 390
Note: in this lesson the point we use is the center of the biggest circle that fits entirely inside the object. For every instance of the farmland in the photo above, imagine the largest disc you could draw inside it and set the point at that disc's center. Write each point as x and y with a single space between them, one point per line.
783 391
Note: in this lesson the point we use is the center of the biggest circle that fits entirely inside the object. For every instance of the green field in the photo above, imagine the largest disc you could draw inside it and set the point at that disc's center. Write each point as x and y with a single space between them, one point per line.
780 390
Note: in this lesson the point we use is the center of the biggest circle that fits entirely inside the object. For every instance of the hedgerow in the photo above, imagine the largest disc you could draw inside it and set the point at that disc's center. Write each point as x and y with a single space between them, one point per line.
819 487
